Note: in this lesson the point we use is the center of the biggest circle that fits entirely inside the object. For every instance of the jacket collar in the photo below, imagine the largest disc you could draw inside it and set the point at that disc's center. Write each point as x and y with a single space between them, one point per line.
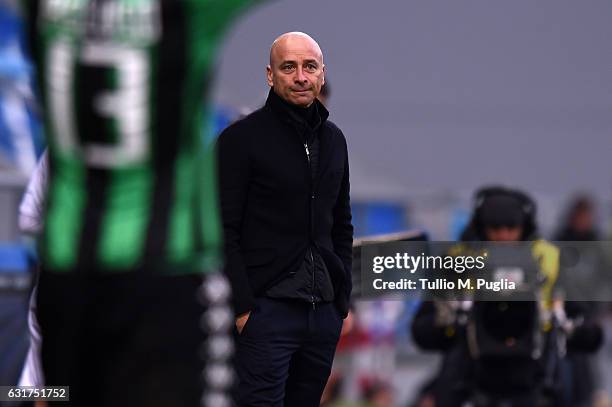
280 107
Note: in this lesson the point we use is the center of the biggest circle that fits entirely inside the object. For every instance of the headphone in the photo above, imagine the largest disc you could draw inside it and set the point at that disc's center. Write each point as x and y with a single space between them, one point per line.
528 207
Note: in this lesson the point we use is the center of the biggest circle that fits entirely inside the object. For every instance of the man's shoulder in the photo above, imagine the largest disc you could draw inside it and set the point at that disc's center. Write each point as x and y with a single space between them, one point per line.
258 115
333 126
245 125
334 131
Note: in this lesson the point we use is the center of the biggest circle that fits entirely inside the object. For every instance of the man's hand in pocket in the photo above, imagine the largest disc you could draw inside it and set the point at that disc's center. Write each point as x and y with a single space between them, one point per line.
241 321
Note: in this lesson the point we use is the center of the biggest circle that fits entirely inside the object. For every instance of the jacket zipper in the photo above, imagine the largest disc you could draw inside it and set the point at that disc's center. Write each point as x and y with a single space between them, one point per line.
314 307
312 196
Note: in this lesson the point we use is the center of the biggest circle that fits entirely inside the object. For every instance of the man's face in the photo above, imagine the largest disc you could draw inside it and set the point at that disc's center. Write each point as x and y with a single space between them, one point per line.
504 233
582 221
296 70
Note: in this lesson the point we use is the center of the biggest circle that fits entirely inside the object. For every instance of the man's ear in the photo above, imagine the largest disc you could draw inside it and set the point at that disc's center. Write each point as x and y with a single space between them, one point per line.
270 75
323 69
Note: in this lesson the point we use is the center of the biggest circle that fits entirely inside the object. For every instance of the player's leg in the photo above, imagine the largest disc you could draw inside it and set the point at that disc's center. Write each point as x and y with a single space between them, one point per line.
166 341
62 301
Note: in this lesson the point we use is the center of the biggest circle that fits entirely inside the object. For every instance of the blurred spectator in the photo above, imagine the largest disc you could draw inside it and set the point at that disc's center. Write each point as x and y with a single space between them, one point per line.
579 225
378 394
374 393
20 140
579 222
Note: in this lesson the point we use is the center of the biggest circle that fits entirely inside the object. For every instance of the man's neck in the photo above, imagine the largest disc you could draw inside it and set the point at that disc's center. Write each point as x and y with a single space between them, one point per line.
305 113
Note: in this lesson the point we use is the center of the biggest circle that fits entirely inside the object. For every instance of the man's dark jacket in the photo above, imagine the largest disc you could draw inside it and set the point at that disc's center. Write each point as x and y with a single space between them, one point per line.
273 211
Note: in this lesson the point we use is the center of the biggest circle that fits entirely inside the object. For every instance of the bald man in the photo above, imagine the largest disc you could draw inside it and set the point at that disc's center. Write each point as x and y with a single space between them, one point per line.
284 182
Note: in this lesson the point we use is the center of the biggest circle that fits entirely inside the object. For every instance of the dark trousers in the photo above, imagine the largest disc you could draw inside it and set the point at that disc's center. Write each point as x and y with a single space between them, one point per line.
124 340
285 353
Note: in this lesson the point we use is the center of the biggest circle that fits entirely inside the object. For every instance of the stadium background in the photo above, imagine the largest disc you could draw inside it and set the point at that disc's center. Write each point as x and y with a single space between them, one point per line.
435 98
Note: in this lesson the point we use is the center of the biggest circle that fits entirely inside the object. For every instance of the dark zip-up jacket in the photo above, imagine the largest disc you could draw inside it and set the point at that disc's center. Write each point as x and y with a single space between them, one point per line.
272 209
311 282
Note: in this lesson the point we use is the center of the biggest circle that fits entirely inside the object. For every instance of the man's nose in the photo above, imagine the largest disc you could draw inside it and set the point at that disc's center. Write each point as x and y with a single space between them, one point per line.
299 76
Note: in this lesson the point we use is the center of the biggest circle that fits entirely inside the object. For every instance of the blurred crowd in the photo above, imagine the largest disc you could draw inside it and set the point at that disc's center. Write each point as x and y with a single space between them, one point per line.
379 363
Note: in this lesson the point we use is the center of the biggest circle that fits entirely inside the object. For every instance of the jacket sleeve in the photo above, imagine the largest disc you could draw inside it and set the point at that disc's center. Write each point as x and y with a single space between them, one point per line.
233 161
342 232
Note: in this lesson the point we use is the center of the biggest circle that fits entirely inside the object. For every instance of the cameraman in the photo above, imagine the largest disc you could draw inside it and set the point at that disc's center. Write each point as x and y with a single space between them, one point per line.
500 214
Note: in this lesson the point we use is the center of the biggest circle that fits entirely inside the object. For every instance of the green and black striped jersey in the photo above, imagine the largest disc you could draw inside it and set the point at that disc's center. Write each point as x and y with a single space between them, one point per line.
123 85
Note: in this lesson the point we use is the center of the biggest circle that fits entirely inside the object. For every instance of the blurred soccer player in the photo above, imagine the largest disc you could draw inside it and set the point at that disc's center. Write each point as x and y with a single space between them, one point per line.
31 222
132 223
